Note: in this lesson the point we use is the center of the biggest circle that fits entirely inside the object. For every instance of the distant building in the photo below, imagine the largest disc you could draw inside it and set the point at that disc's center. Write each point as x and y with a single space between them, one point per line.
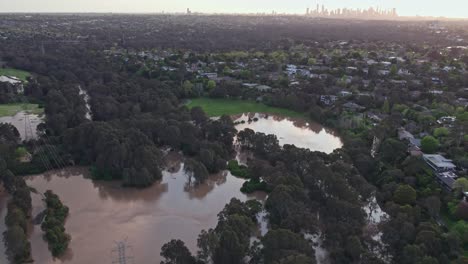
415 151
404 72
462 102
250 85
384 72
436 80
328 99
439 163
16 83
345 93
263 88
10 79
210 75
436 92
446 120
291 69
399 82
353 107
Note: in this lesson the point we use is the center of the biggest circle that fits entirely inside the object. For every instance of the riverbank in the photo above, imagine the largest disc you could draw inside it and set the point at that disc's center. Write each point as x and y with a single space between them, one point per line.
219 107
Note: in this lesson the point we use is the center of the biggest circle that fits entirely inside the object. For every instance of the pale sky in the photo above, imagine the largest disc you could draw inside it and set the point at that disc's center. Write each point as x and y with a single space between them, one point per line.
447 8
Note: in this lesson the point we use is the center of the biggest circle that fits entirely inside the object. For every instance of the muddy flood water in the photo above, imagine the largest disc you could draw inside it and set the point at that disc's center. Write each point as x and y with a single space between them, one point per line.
27 128
102 213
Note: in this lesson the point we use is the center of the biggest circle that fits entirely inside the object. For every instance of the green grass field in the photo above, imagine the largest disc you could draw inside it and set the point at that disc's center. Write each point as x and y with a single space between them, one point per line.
22 75
219 107
12 109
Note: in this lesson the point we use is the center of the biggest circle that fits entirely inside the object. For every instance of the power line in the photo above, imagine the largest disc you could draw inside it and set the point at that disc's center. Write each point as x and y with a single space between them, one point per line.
45 149
41 155
54 153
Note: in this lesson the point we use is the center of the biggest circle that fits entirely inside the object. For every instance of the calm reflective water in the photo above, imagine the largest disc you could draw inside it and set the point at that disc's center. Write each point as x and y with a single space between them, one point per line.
296 131
102 213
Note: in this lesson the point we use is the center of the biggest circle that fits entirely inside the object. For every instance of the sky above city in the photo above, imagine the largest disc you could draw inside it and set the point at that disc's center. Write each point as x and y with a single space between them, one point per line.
446 8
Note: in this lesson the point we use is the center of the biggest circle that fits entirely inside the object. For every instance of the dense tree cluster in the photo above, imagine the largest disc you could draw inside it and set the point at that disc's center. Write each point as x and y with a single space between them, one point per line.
54 224
410 195
311 192
308 184
19 206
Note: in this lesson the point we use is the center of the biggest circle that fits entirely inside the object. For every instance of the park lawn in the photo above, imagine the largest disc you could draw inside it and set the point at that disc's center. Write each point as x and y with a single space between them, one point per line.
12 109
22 75
219 107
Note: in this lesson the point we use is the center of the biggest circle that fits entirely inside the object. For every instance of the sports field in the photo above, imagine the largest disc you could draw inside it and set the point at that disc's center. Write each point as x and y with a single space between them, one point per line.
219 107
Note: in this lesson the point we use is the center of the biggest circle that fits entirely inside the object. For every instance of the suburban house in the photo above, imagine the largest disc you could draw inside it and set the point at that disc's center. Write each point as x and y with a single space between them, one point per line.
436 80
447 179
15 83
439 163
446 120
263 88
353 107
436 92
291 69
443 168
345 93
414 144
210 75
258 87
328 99
403 134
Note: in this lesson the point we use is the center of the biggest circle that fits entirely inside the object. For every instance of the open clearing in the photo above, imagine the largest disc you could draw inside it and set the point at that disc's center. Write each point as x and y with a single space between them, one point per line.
22 75
13 109
219 107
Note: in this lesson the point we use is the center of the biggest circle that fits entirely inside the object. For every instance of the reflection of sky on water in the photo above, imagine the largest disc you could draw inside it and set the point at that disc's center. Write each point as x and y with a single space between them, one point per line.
295 131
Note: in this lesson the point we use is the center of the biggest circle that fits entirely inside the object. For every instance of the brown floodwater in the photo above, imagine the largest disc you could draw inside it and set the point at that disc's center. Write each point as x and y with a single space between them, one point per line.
103 213
26 130
295 131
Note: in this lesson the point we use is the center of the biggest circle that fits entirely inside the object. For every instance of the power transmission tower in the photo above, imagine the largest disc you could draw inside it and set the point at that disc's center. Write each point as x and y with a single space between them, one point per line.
121 253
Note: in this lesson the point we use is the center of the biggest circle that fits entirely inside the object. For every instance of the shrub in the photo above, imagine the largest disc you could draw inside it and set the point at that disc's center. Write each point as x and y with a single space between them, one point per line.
238 170
254 185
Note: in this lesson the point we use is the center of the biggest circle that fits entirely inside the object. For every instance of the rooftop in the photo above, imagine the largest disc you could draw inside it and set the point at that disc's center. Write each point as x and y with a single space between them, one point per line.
439 161
448 178
404 134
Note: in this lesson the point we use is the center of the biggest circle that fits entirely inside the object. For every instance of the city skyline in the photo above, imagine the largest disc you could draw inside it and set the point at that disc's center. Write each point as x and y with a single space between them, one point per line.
449 8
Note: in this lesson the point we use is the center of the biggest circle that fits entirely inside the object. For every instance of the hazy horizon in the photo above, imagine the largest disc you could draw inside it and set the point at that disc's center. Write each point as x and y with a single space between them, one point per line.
448 8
